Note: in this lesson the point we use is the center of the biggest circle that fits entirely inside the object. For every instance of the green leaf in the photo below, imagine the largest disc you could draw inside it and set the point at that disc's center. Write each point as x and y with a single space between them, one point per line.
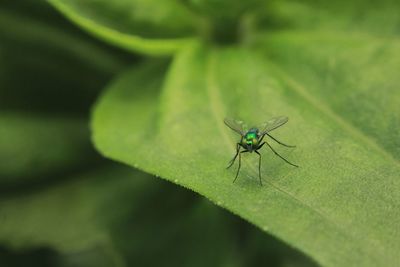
353 79
37 147
147 26
35 32
49 64
355 16
68 217
48 67
340 207
224 10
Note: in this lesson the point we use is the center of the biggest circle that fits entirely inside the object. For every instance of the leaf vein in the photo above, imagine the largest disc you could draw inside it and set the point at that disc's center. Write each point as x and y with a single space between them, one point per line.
302 92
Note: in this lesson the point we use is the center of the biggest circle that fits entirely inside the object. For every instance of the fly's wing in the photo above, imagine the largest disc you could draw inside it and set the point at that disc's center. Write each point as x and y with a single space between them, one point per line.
272 124
236 125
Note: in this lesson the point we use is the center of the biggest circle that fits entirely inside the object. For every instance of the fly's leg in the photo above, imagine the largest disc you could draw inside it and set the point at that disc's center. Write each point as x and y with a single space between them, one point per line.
259 166
240 163
276 153
234 158
279 142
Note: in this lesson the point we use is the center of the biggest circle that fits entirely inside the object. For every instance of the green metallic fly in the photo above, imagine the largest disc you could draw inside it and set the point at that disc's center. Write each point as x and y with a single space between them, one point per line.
252 139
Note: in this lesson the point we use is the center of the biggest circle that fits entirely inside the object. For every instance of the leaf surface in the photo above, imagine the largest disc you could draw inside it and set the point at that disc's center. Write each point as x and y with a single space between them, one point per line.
33 147
352 79
343 198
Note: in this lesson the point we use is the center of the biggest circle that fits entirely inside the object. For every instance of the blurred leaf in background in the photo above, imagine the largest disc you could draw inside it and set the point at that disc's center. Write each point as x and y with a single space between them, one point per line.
50 74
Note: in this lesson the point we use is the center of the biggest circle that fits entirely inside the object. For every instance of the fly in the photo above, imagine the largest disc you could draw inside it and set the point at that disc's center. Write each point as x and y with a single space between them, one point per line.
252 140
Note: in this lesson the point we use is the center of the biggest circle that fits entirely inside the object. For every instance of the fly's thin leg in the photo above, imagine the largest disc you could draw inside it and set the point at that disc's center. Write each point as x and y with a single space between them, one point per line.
240 163
234 158
279 142
259 166
276 153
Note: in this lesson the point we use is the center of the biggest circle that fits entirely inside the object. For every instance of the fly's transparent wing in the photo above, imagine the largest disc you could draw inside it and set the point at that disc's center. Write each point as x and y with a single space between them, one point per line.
272 124
236 125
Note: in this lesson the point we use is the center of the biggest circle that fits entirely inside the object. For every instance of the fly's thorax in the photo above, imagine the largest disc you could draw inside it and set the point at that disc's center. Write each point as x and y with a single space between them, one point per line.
250 139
